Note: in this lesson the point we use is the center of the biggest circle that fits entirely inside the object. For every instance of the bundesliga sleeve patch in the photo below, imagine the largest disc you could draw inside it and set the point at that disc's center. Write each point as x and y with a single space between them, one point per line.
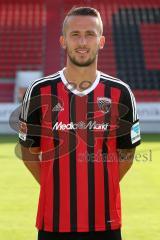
135 133
22 130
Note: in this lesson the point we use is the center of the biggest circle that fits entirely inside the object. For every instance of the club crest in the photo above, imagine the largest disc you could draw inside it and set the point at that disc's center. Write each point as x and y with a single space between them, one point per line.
104 104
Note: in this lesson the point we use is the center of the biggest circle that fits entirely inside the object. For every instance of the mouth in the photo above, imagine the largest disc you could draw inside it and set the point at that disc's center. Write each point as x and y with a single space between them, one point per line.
82 51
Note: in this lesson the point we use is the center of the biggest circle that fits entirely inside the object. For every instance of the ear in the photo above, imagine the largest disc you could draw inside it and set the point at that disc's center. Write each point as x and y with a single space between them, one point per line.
62 42
102 42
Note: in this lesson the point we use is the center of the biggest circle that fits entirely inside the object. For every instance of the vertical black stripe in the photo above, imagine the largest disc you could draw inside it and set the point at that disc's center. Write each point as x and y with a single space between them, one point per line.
56 184
90 150
43 226
39 132
72 154
107 93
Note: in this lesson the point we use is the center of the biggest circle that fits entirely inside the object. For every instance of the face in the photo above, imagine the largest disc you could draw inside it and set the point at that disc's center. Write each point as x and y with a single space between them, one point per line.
82 40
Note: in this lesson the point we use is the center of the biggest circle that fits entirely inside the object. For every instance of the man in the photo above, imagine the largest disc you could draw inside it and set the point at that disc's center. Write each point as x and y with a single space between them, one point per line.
78 133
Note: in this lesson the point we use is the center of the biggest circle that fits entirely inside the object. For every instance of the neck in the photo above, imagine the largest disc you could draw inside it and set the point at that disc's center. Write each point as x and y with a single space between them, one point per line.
78 75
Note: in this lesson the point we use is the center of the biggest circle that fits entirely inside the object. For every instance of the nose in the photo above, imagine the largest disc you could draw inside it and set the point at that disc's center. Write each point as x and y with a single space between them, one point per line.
82 40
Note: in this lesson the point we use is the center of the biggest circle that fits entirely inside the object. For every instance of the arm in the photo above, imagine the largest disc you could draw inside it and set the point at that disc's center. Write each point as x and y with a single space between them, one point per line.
128 132
30 157
29 131
125 161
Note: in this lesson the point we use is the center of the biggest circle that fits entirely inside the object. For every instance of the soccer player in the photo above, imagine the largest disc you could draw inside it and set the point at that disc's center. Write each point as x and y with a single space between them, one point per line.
78 133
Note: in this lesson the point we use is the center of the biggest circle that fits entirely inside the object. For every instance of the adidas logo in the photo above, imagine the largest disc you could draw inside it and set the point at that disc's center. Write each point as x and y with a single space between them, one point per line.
58 108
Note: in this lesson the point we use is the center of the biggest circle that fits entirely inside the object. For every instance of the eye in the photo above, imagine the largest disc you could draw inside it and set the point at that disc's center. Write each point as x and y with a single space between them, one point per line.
74 34
91 34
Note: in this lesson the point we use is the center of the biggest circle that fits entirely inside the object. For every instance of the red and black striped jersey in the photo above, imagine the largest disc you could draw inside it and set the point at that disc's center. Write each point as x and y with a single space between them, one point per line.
79 134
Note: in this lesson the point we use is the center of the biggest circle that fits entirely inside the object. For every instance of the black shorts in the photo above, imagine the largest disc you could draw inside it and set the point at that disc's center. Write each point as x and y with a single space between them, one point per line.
100 235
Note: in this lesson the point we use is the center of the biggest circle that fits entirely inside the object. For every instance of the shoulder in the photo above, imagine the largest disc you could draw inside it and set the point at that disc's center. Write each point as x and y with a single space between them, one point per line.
126 97
115 82
125 89
32 94
47 80
33 91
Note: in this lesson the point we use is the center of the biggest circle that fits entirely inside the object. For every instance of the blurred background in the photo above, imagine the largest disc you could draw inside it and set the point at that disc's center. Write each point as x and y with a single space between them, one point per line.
30 49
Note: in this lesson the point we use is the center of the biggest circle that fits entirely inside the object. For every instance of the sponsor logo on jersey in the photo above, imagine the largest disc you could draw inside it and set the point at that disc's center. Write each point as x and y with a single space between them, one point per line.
22 130
92 125
104 104
135 133
58 108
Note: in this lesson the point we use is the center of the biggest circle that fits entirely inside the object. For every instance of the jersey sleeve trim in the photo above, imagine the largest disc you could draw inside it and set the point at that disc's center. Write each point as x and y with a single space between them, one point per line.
27 98
127 88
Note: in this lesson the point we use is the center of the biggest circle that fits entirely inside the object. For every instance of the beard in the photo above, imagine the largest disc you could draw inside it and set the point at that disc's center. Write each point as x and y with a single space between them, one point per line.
78 63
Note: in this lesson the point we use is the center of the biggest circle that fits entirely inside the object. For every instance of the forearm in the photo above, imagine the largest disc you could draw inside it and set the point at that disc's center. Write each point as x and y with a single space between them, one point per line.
31 160
34 168
125 161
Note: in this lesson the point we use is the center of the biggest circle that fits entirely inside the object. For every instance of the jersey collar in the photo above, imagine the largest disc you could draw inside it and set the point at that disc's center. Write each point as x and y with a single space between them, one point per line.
75 91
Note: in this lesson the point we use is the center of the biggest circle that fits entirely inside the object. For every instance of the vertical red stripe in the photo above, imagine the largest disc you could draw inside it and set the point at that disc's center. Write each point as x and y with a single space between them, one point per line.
98 163
46 141
46 195
64 162
112 163
82 166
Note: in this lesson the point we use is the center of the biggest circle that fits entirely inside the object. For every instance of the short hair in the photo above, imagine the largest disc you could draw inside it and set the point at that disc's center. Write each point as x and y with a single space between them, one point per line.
83 11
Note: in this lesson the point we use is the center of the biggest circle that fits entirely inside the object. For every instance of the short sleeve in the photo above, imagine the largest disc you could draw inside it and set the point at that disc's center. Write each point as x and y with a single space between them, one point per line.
128 133
29 119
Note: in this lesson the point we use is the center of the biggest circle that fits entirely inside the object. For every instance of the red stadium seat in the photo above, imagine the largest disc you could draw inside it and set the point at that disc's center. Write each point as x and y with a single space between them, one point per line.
132 30
6 92
21 43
